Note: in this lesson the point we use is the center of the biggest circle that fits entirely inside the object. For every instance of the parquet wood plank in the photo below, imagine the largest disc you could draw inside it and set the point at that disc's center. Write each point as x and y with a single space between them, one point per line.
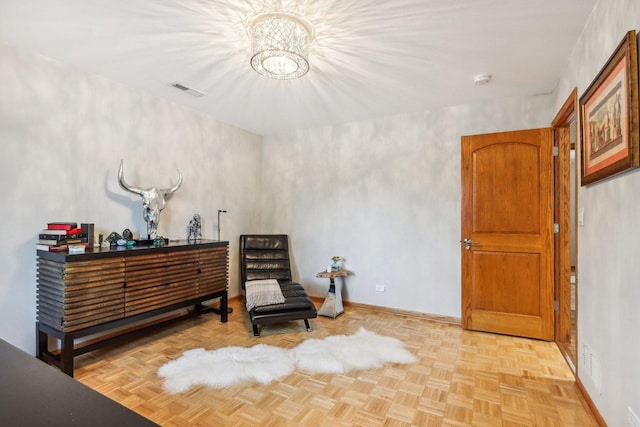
462 378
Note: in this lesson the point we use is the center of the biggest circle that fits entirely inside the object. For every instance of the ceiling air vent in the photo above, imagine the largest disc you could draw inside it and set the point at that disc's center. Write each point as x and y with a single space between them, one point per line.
191 91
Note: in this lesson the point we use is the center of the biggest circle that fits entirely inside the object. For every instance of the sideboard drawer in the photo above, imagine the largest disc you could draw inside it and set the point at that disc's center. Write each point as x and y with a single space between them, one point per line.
73 296
214 268
159 280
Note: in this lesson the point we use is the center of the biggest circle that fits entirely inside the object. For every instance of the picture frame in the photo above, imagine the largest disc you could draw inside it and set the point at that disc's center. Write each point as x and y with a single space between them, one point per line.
609 116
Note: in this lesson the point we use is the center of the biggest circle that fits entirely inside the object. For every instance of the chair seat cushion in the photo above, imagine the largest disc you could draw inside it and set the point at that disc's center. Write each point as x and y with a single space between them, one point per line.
296 300
294 303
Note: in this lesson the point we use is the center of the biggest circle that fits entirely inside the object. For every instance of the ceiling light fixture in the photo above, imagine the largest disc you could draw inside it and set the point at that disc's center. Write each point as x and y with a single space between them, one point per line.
280 45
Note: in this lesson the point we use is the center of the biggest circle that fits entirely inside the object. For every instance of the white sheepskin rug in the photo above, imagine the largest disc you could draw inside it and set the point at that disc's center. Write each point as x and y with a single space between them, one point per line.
264 363
342 353
226 366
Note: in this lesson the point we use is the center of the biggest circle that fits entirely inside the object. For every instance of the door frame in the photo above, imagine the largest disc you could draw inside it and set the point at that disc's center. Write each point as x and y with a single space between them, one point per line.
562 268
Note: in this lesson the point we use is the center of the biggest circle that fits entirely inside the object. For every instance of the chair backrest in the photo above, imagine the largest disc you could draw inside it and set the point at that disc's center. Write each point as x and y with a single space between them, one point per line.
264 256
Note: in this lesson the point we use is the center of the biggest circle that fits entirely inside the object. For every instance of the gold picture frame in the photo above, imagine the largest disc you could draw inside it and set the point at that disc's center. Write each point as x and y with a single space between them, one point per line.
609 116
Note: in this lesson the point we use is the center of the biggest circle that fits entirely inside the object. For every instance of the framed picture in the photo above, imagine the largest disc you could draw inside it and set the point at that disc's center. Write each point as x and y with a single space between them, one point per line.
609 116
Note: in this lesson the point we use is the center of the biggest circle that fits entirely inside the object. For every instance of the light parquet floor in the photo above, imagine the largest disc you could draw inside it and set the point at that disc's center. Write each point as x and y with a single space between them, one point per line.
462 378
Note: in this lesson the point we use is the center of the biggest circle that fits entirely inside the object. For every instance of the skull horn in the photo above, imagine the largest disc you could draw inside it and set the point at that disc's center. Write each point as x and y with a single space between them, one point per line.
170 191
124 185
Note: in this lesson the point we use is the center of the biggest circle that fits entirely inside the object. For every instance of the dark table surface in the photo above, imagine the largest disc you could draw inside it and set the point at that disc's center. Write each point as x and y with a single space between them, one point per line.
33 394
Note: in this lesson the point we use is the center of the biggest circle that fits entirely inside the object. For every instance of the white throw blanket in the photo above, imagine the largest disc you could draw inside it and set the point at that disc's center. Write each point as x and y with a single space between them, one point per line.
262 292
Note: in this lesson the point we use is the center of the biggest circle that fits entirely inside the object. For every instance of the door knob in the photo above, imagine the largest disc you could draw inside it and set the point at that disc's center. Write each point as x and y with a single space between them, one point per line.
468 242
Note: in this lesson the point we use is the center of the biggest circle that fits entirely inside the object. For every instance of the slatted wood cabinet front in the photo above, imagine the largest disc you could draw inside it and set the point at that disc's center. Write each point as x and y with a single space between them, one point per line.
79 295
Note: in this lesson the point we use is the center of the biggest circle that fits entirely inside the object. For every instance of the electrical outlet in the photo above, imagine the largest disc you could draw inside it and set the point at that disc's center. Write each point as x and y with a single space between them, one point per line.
634 421
581 217
380 288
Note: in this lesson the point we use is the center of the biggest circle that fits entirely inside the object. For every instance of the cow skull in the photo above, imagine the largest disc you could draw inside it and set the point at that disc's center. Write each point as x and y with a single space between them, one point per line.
153 200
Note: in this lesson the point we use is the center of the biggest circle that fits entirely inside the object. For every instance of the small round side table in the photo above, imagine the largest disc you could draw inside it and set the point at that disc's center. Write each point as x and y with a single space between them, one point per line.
332 305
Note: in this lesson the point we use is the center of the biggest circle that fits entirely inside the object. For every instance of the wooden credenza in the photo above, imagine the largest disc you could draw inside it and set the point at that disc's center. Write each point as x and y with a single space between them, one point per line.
107 288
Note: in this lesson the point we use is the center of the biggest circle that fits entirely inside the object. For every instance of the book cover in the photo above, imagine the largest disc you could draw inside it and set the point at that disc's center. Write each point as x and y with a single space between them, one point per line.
62 225
55 236
62 232
63 241
52 248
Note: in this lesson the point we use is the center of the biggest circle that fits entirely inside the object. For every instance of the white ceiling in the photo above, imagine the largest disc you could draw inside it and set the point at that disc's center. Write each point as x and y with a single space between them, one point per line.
370 58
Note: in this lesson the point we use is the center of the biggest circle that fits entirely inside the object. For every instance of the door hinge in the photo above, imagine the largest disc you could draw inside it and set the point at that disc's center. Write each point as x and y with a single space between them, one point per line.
556 305
556 151
556 228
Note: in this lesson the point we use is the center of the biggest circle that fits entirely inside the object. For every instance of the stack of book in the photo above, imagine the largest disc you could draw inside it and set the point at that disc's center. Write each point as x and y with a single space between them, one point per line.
62 236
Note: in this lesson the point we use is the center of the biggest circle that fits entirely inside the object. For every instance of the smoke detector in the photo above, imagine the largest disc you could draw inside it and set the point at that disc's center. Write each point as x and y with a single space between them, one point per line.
482 79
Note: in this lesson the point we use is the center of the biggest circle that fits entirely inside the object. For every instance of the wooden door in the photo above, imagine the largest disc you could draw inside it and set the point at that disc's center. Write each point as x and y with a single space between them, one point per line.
507 224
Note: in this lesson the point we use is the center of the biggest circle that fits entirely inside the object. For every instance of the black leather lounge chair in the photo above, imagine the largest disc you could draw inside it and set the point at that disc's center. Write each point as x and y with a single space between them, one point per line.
267 257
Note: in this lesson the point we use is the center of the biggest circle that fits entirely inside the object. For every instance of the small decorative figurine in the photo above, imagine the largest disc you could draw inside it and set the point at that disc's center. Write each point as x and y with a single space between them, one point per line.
194 230
127 239
336 263
127 234
113 238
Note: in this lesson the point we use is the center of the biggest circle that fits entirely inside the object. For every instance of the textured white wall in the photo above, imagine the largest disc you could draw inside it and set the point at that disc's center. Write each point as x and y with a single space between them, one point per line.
62 135
385 195
609 242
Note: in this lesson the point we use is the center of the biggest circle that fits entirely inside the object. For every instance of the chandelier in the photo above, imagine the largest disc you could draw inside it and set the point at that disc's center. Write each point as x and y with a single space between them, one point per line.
280 45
